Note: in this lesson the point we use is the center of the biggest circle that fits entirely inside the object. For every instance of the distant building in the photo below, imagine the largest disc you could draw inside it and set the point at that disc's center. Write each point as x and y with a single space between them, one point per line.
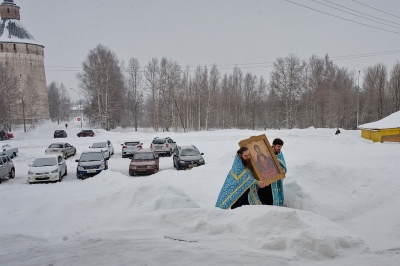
24 56
384 130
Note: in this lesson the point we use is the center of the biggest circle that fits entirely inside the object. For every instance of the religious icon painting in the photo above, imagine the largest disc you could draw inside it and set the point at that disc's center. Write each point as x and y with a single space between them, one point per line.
265 165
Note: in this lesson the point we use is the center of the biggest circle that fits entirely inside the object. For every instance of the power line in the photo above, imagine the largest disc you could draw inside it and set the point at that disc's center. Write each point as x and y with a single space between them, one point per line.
246 65
355 14
362 12
375 9
396 32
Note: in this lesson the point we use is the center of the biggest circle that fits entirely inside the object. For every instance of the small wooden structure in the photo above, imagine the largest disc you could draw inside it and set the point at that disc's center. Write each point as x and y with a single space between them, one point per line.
384 130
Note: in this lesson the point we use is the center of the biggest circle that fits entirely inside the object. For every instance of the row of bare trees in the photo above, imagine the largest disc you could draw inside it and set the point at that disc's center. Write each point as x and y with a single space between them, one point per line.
59 102
299 93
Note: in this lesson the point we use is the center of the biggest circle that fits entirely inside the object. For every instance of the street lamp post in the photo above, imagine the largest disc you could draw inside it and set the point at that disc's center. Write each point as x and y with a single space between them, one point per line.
358 96
80 104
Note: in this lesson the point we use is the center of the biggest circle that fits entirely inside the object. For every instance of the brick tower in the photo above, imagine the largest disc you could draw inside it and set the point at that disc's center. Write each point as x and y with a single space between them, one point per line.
24 57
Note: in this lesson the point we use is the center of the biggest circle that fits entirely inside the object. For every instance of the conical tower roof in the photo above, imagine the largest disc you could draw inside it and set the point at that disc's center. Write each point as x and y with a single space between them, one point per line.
11 28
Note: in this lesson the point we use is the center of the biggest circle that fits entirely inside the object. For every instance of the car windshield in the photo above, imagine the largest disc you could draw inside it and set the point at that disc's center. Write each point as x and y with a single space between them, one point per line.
44 162
189 152
91 156
158 141
143 156
131 143
99 145
56 146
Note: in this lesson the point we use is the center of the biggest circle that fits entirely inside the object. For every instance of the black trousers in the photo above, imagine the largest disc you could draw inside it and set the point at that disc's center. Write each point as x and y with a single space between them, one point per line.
243 200
265 195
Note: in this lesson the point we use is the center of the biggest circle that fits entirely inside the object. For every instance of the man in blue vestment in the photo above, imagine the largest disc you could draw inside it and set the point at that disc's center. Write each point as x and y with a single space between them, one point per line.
273 193
240 187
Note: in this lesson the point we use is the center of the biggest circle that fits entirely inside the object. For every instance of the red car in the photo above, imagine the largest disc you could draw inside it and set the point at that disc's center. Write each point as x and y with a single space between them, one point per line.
10 135
86 133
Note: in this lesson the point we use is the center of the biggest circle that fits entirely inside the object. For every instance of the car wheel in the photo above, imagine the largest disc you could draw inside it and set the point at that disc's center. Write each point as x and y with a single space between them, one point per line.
65 156
66 171
1 138
59 177
74 153
11 175
14 155
0 180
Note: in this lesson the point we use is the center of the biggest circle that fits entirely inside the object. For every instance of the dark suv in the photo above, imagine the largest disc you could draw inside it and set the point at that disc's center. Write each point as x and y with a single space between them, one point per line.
187 157
60 134
86 133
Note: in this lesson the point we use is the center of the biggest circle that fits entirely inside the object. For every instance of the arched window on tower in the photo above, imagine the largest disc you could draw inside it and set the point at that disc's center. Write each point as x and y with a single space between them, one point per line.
15 11
8 10
2 47
15 47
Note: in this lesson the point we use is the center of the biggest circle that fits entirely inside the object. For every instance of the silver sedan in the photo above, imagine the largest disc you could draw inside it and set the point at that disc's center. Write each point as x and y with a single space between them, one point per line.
62 149
8 150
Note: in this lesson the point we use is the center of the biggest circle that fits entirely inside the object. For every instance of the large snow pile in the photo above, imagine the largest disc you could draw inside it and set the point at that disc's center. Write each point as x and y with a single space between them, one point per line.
342 196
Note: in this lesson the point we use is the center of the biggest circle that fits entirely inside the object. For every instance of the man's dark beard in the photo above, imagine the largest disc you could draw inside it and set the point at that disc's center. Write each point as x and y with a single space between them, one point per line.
245 163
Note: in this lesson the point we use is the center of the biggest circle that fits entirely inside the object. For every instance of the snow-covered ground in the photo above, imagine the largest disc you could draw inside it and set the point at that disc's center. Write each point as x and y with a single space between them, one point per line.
342 195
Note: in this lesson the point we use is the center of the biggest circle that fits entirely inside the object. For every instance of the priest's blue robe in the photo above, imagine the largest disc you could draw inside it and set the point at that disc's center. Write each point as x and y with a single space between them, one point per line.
239 179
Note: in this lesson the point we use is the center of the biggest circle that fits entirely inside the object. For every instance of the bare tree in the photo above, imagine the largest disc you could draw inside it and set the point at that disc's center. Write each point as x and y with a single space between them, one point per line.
103 82
152 73
375 81
394 87
9 92
286 82
134 90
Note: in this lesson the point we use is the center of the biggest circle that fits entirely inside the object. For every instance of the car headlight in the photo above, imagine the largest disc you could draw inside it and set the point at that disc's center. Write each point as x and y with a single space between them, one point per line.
80 168
102 166
150 166
54 171
30 173
134 167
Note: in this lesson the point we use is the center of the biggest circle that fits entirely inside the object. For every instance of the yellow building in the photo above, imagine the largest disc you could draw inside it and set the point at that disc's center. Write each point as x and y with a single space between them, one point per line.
384 130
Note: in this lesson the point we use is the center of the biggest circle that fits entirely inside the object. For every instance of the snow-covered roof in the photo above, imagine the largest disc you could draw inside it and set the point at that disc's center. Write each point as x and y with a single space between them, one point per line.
12 30
391 121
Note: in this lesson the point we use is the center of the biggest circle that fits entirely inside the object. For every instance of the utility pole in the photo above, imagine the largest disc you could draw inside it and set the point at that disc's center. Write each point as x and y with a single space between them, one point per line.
358 97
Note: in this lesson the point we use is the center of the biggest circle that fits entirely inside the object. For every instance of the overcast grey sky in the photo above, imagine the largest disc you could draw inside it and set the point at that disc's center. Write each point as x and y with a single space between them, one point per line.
225 32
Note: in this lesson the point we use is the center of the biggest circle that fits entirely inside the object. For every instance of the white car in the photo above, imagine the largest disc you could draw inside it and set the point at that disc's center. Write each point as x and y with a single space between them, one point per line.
105 146
130 147
46 169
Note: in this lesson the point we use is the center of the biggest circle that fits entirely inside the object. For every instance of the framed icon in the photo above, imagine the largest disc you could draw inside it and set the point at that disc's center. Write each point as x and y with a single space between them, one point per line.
264 164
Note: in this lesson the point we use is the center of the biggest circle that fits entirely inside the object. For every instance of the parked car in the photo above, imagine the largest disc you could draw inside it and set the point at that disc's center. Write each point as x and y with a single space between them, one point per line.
3 135
10 135
61 148
165 146
105 146
86 133
48 168
60 134
187 157
144 161
130 147
91 163
8 150
7 168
